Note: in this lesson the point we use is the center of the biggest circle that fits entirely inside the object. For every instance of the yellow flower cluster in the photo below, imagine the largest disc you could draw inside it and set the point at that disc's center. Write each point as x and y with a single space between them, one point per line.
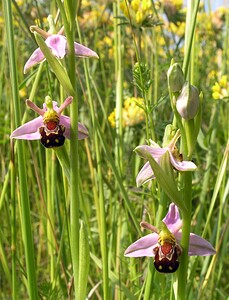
178 29
132 112
221 89
138 11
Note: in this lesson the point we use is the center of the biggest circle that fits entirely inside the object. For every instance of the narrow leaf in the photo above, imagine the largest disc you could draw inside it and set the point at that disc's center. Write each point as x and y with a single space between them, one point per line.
84 261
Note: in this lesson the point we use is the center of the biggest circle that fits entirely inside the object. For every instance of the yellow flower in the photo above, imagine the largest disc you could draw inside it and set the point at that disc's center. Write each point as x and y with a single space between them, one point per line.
216 87
221 89
139 17
216 95
22 92
178 29
212 75
135 4
132 112
123 7
223 81
111 118
138 11
146 5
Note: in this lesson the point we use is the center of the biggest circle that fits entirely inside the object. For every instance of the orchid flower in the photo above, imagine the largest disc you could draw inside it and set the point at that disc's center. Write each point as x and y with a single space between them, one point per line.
50 127
164 243
59 47
146 173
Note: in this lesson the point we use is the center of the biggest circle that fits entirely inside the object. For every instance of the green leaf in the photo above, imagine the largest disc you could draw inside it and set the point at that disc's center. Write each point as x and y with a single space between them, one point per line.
63 157
115 280
54 63
84 262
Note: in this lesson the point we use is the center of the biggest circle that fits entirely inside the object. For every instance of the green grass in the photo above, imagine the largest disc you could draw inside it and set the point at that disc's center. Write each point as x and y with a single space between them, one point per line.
69 214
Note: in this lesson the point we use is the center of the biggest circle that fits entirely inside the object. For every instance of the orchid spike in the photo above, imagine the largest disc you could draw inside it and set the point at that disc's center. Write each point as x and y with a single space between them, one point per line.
146 173
50 127
164 243
58 46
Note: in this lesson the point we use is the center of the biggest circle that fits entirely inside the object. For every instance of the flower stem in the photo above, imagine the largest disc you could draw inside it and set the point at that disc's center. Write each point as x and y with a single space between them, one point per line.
119 90
50 178
24 198
74 148
101 208
13 229
186 223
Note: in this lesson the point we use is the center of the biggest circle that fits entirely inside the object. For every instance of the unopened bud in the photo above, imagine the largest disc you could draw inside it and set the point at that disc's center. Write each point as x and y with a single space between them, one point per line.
175 78
188 101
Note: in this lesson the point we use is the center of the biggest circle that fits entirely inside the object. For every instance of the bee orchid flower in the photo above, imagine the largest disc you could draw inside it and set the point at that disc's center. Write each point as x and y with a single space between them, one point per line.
164 243
50 127
57 43
146 173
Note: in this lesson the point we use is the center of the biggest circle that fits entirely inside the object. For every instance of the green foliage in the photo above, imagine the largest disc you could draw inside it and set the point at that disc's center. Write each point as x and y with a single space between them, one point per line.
107 164
141 77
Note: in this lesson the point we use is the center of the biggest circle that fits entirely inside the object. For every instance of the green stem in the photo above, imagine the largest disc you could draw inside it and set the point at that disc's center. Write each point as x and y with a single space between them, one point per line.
186 223
50 179
189 33
149 280
119 90
74 146
102 212
63 158
13 230
74 166
24 205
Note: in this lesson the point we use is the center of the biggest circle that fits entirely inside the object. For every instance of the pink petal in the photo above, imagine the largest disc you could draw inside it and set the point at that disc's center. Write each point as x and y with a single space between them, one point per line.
65 121
155 152
57 44
82 130
143 247
172 219
34 59
182 165
145 174
28 131
83 51
197 245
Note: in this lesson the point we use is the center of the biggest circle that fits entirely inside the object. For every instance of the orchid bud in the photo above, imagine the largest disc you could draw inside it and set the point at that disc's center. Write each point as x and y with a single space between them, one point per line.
175 78
188 101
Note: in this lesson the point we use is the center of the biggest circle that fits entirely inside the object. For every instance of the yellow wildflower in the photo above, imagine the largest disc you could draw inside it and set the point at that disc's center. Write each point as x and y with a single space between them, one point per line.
221 89
22 92
223 81
135 4
146 5
139 17
138 11
111 118
132 112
